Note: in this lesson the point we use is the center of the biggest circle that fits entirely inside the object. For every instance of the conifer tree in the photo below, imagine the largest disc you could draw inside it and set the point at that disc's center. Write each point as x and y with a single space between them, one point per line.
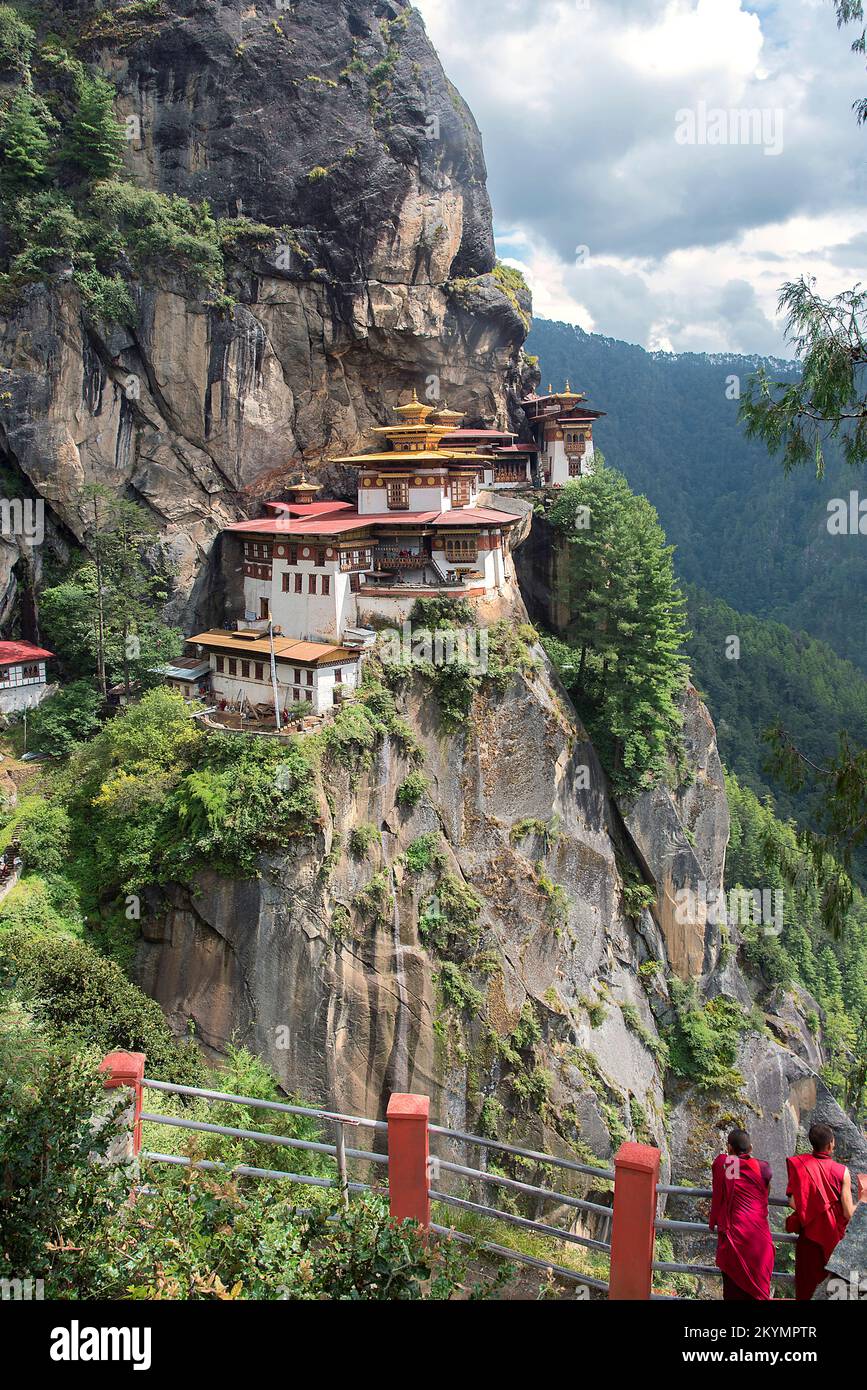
625 625
25 145
96 139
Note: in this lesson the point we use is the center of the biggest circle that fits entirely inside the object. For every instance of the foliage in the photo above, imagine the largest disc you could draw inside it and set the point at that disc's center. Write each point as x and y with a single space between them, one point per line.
51 1195
69 717
190 1235
782 678
703 1039
104 617
42 829
16 40
411 790
95 140
768 851
622 660
424 853
86 1001
154 798
673 429
362 839
25 143
449 923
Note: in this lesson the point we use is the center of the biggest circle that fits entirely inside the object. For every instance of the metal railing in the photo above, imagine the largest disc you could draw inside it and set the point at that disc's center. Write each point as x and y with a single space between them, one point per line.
483 1177
339 1150
701 1228
621 1226
343 1154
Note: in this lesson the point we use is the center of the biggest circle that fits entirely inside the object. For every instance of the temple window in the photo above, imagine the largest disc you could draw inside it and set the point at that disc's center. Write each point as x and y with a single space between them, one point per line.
326 585
293 555
286 579
309 677
311 583
260 671
221 663
461 548
298 583
460 492
397 494
233 667
245 669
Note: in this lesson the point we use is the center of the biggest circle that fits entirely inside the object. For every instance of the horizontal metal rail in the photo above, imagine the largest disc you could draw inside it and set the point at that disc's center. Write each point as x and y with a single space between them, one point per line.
306 1179
605 1174
540 1227
673 1267
660 1223
703 1192
781 1237
479 1175
265 1104
504 1250
202 1127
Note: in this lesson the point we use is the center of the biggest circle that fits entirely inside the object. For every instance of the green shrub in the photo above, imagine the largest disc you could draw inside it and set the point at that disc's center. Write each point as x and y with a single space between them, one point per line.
25 144
16 40
362 839
42 829
424 853
69 717
86 1001
703 1040
449 923
412 789
95 140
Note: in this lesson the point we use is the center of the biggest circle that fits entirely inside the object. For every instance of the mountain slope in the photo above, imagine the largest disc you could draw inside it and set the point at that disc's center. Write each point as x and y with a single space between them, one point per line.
743 531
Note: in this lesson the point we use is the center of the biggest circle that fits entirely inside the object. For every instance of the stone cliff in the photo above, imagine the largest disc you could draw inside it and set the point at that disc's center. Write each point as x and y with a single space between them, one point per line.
333 123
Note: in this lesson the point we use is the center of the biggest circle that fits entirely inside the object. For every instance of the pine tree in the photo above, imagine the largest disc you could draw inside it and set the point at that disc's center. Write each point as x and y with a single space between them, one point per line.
25 145
96 139
625 621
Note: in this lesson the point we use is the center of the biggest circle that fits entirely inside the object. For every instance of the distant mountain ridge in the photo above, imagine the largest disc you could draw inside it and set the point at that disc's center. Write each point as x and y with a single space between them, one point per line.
743 530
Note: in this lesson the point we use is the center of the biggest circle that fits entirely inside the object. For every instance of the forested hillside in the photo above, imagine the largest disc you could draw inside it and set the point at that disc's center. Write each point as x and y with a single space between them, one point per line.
780 676
744 532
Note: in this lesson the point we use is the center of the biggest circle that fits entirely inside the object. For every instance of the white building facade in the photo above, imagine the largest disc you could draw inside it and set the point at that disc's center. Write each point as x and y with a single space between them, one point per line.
23 676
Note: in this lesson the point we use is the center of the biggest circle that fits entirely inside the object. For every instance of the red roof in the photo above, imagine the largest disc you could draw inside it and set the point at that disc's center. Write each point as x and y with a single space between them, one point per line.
13 652
302 509
329 525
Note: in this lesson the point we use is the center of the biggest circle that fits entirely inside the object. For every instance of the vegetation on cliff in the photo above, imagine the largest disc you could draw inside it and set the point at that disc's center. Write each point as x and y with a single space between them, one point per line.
766 850
64 202
623 660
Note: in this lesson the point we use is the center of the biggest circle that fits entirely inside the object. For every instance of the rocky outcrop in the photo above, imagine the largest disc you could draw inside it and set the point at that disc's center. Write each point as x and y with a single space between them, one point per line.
543 1022
681 834
338 129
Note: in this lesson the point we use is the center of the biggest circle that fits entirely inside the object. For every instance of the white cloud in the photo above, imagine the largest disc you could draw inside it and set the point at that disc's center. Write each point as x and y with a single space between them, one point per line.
688 243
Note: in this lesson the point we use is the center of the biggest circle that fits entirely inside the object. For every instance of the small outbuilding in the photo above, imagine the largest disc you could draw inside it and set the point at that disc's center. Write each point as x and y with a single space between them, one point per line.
23 680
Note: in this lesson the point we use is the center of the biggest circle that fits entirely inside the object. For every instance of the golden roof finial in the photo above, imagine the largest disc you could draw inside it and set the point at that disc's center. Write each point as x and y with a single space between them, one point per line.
550 389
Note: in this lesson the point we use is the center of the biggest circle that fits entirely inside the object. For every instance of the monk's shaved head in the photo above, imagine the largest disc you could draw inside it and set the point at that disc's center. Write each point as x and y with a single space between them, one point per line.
821 1138
740 1142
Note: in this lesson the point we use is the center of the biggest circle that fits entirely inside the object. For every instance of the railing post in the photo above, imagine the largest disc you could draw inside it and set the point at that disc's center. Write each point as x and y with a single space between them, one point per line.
636 1173
126 1069
408 1152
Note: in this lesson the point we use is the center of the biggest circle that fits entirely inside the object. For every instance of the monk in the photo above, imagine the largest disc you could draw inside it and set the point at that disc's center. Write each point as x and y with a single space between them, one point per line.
739 1215
820 1190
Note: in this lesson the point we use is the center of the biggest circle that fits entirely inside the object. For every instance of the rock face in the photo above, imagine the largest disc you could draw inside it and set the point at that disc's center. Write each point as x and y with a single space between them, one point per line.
338 128
552 1026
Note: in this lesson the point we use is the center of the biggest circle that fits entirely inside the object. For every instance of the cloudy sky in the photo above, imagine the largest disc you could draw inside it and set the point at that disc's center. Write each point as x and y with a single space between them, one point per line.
659 168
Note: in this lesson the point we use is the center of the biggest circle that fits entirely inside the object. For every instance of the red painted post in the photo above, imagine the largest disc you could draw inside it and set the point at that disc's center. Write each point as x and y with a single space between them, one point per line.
127 1069
408 1152
636 1173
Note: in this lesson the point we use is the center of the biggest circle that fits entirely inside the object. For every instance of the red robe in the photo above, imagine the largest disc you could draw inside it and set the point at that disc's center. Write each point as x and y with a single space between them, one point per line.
739 1211
816 1189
